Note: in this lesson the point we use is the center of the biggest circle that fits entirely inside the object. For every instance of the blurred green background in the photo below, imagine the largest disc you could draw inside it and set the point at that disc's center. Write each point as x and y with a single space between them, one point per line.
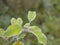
48 15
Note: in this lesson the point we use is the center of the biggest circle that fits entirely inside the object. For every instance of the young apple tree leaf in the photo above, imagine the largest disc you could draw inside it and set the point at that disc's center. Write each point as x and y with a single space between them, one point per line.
31 15
22 36
18 43
27 24
17 21
13 30
40 36
13 21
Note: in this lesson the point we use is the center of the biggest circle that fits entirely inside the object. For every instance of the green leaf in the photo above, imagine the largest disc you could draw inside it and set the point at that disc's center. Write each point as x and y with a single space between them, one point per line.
18 43
17 21
13 30
1 32
27 25
31 15
22 36
40 36
13 21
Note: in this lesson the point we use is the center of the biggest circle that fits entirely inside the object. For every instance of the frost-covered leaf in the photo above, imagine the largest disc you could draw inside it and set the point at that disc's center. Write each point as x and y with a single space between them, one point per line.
17 21
18 43
27 24
13 30
1 32
31 15
13 21
22 36
40 36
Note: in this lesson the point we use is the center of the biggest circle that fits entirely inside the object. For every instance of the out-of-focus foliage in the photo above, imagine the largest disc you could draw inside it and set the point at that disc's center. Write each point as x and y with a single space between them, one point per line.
1 31
18 43
48 15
